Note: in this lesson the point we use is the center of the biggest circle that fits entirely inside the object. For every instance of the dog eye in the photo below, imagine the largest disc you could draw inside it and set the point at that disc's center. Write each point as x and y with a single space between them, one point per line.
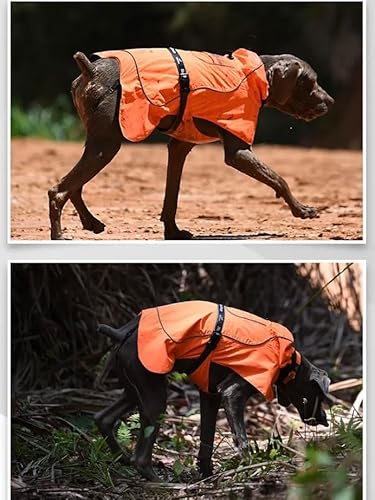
306 83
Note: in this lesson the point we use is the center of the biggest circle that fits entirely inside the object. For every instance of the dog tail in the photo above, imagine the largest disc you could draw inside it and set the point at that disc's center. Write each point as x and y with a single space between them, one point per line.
86 66
114 334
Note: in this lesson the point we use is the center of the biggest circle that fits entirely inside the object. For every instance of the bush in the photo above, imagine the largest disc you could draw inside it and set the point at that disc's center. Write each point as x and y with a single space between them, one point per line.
57 122
333 467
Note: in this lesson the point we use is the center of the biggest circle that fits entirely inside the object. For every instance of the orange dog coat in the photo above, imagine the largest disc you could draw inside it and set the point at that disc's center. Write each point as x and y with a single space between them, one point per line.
223 90
254 348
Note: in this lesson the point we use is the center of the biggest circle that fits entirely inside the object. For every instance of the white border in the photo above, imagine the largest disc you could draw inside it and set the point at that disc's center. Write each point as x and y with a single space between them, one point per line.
8 177
169 243
364 120
8 464
361 262
365 478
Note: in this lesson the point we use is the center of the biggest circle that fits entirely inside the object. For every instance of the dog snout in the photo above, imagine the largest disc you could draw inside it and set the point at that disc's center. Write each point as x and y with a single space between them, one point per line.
321 97
319 419
321 107
329 101
322 419
324 97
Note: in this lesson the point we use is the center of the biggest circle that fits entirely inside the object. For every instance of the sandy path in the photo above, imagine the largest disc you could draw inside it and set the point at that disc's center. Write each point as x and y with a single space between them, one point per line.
215 201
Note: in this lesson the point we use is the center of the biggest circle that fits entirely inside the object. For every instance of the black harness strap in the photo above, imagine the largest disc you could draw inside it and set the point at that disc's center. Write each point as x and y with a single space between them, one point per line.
212 343
184 81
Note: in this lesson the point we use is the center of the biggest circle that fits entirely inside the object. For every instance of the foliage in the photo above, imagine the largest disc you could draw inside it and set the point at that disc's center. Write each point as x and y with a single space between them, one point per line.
177 377
57 451
127 431
69 454
333 467
269 456
56 122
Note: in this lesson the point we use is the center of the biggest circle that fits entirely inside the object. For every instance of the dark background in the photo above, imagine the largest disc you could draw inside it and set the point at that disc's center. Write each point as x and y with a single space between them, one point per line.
55 309
44 37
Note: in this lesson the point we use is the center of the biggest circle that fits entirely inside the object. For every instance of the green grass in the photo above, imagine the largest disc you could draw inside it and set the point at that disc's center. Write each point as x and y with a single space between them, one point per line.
70 451
57 122
333 467
69 454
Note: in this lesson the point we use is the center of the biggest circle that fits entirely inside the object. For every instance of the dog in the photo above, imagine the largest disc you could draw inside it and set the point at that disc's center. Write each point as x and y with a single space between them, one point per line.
194 97
228 353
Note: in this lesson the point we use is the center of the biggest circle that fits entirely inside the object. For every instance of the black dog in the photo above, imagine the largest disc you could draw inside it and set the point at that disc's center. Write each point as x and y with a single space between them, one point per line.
292 89
303 385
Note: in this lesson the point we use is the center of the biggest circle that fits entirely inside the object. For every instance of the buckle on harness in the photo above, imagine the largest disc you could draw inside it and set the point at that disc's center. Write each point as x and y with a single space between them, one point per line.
184 82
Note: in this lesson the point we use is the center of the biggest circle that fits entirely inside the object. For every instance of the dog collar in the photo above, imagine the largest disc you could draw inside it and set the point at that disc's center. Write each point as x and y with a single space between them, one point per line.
290 371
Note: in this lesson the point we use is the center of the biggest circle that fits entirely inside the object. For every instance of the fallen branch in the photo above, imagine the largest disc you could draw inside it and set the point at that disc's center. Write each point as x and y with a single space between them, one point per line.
346 384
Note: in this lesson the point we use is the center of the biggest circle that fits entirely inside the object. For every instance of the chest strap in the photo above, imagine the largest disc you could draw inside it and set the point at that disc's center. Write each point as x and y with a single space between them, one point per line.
184 82
212 343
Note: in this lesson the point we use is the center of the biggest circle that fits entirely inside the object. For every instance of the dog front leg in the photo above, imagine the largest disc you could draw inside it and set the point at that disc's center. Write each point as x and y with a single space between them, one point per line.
234 399
239 155
209 406
177 152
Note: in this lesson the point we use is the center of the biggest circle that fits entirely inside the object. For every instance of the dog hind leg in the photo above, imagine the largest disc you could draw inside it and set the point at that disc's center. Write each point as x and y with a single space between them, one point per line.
96 98
152 397
107 418
89 222
97 154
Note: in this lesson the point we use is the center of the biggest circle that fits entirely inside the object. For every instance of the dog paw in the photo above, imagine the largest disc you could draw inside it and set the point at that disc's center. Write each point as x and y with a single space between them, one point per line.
62 237
204 473
305 212
122 458
180 234
149 474
94 225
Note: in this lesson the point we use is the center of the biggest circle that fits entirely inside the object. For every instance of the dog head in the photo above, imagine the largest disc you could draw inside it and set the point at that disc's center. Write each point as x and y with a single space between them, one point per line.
307 391
293 88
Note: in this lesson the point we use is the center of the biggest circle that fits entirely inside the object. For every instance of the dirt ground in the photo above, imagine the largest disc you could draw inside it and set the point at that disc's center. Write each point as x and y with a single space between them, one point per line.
216 202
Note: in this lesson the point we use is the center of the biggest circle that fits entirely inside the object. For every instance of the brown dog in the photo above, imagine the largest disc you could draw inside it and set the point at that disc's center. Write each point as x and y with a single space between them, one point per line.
114 98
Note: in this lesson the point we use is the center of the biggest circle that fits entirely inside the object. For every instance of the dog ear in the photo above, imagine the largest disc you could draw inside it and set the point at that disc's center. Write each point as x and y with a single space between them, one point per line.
323 381
282 77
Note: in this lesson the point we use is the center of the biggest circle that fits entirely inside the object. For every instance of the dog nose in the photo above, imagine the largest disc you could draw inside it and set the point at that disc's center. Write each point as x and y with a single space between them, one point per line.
330 101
